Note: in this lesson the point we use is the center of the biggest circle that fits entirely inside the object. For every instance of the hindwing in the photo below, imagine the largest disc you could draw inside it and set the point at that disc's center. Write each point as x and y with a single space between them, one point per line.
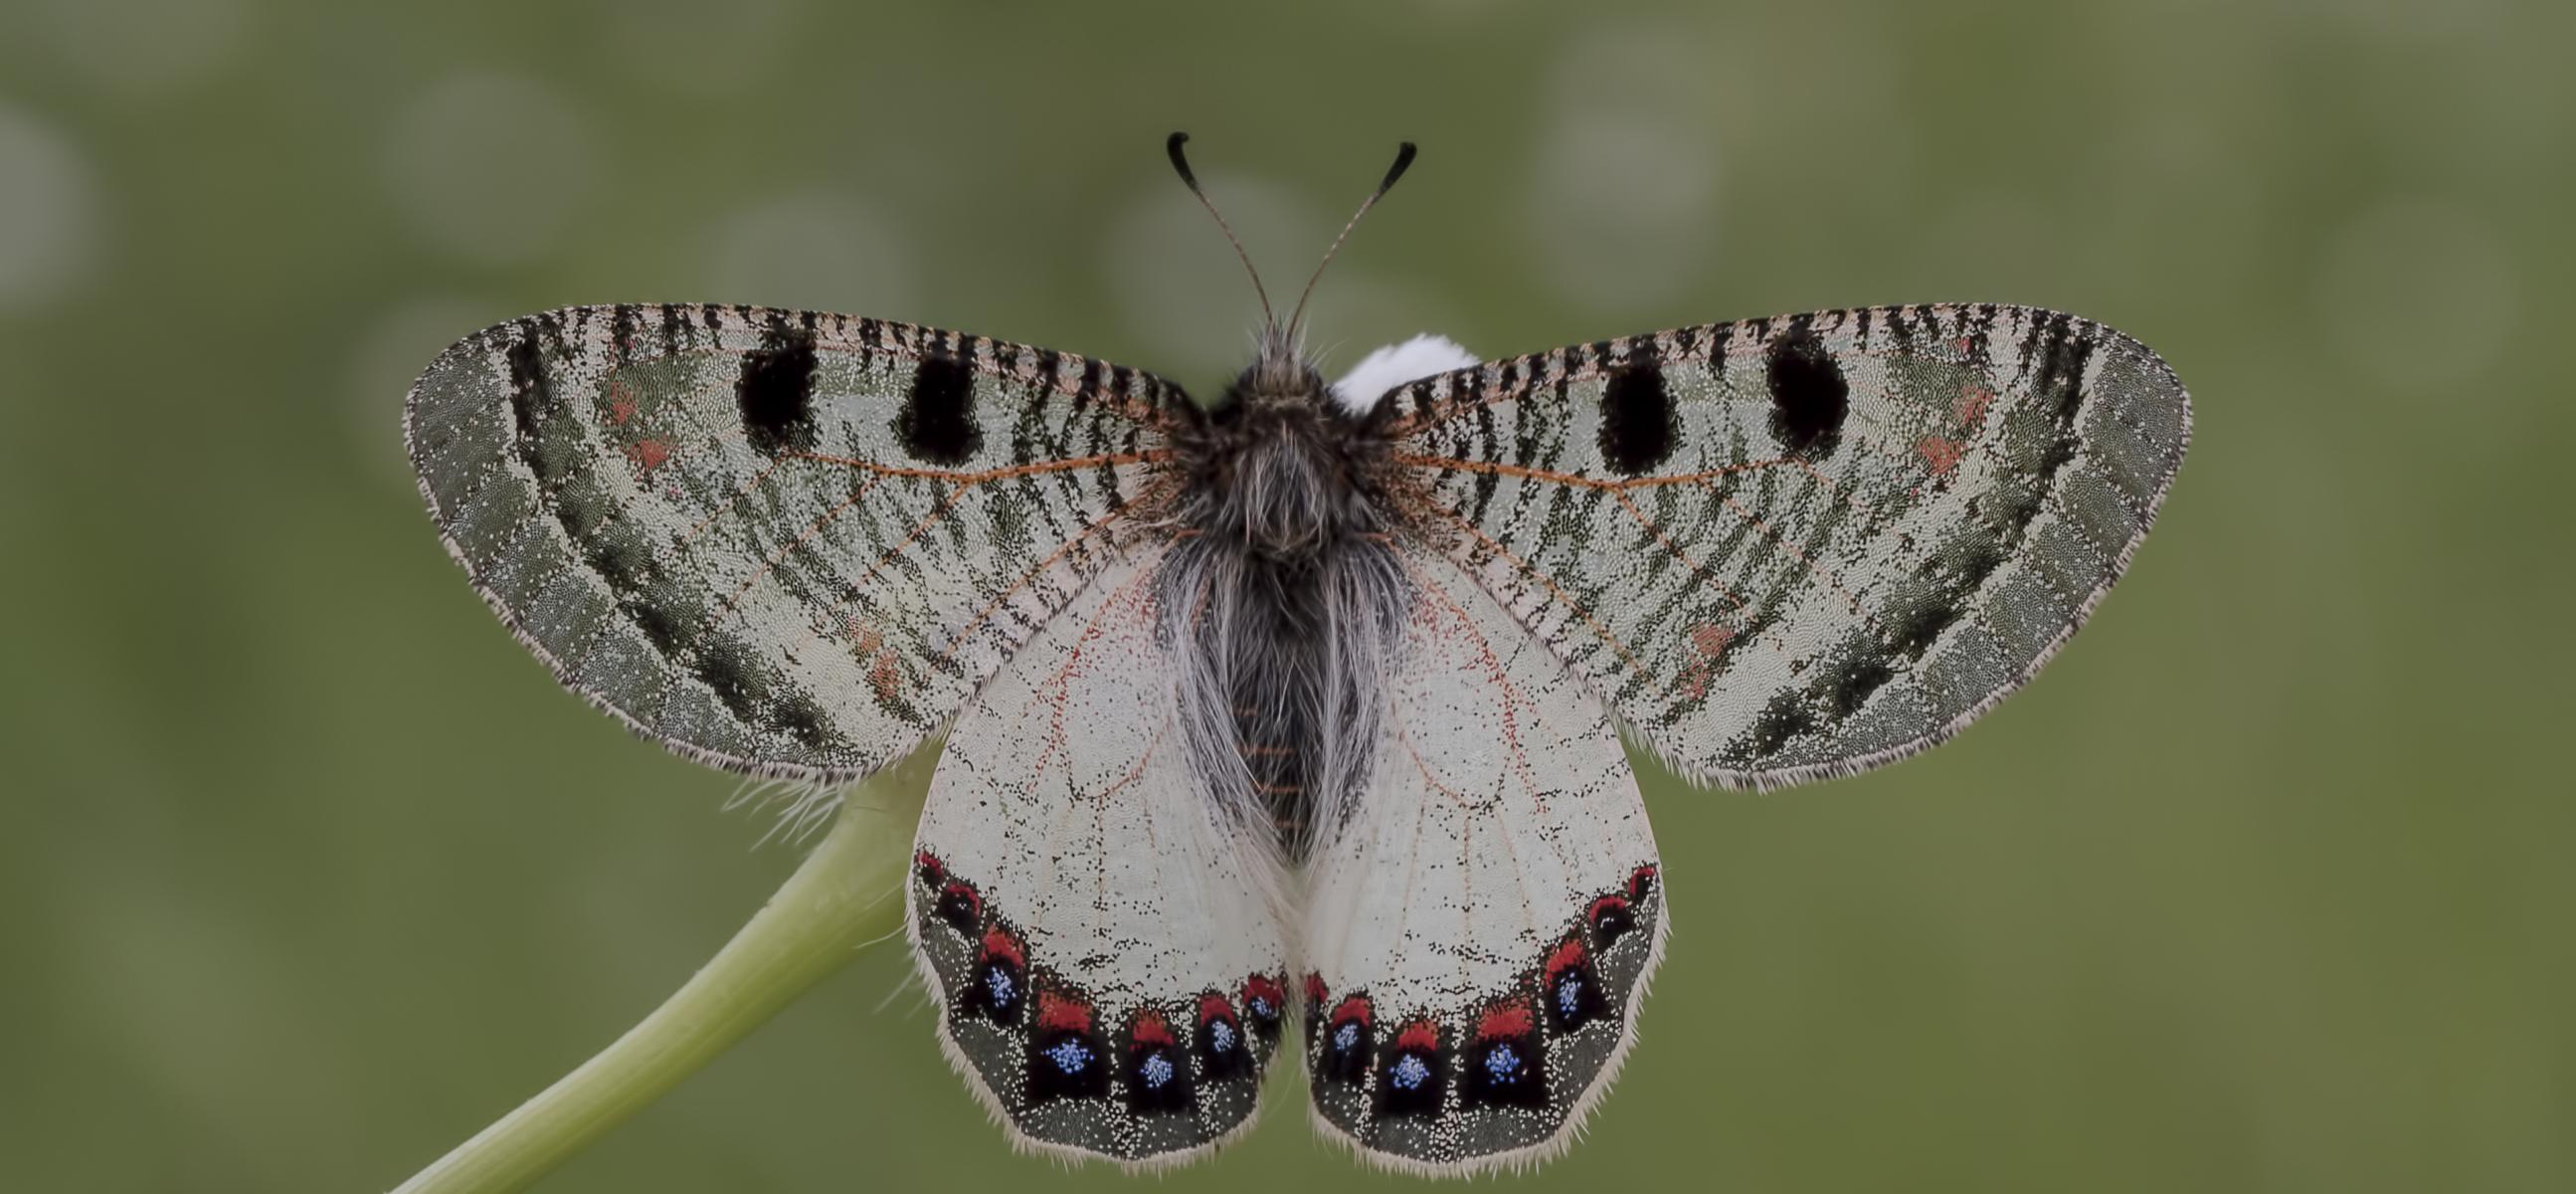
1103 932
1481 928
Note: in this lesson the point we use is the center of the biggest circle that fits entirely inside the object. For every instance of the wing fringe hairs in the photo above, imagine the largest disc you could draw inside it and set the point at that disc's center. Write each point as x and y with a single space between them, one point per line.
1528 1158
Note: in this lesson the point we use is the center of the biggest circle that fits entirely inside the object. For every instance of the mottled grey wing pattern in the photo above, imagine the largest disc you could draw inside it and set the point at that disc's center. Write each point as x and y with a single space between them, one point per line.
1803 546
782 542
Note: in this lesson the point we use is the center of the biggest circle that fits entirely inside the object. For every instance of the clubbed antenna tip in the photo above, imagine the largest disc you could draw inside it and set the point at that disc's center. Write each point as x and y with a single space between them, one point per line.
1181 161
1403 159
1181 164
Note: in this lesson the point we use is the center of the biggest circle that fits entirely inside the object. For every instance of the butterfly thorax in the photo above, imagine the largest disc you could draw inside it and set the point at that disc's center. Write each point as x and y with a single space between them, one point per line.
1290 593
1280 469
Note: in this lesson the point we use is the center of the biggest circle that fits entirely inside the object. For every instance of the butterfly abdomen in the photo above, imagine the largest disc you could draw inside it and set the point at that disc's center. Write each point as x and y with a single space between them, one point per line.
1289 597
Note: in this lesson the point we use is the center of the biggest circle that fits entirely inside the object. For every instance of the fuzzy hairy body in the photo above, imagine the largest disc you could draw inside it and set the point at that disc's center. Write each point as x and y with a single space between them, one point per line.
1285 603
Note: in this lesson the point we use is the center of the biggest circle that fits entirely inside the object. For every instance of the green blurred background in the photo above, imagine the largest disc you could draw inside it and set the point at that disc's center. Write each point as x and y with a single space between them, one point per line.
307 871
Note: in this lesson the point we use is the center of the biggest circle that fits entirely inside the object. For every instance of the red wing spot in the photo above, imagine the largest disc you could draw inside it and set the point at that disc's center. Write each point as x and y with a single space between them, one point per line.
1965 343
621 404
1710 640
1261 987
1315 992
1942 454
1057 1013
1641 881
650 453
1606 905
1569 955
1353 1008
1152 1030
1214 1007
1421 1036
1973 401
1506 1020
999 944
885 676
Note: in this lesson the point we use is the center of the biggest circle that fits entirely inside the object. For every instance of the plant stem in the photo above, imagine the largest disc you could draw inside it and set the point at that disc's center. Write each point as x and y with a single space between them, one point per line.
846 894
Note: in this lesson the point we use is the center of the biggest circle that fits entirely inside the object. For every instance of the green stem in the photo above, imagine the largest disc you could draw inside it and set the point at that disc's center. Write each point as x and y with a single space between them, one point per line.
846 895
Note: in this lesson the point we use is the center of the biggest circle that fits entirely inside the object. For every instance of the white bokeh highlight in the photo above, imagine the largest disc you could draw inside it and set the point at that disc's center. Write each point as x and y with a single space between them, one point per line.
490 168
46 198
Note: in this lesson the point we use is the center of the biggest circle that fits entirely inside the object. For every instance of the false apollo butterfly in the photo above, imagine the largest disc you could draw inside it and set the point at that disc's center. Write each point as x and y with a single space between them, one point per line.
1304 704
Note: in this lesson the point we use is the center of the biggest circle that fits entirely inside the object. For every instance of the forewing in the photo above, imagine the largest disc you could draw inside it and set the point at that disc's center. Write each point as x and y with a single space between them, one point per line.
782 542
1482 923
1803 546
1100 930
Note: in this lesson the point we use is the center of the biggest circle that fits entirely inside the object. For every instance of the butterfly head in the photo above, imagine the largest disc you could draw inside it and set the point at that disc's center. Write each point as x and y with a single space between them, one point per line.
1281 378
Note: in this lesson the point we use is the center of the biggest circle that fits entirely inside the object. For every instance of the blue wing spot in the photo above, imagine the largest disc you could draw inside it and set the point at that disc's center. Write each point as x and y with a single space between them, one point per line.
1220 1036
1409 1073
1346 1037
1157 1070
1503 1063
1071 1056
998 984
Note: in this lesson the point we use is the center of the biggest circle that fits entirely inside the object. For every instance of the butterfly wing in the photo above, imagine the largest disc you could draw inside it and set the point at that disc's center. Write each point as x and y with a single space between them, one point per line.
1482 923
780 542
1799 547
1101 931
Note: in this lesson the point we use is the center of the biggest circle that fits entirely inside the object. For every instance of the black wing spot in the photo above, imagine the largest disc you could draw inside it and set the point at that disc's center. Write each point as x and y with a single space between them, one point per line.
1809 397
1850 686
1785 718
668 614
530 394
1505 1067
776 393
1639 427
620 557
937 423
1413 1073
1915 628
2061 373
800 717
729 667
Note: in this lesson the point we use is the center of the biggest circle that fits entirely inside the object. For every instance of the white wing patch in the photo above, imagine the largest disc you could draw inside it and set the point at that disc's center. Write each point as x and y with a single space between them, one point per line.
1482 927
1112 966
1396 364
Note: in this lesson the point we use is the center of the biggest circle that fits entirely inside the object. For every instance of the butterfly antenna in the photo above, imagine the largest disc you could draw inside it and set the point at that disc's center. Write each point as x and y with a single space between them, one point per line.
1403 159
1181 163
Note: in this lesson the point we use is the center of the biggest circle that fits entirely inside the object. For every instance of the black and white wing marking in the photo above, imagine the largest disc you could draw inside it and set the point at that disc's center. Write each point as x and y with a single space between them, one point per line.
1481 927
1799 547
780 542
1103 933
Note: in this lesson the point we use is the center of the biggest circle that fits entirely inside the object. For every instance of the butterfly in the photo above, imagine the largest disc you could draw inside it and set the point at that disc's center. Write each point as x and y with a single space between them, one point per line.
1304 704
